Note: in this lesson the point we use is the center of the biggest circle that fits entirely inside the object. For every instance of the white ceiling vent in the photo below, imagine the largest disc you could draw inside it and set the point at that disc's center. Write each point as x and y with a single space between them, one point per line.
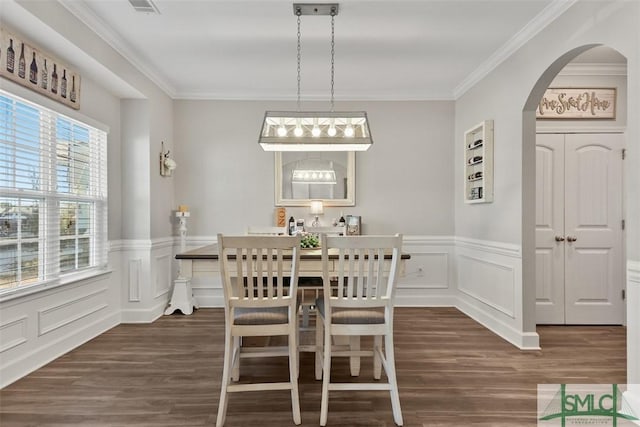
146 6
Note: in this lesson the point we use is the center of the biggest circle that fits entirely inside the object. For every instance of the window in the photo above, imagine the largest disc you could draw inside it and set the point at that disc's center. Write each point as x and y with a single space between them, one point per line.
53 195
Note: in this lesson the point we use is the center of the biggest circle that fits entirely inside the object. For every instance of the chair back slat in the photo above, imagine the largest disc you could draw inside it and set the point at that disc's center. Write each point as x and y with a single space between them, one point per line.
366 267
360 278
341 275
280 266
350 276
259 276
381 285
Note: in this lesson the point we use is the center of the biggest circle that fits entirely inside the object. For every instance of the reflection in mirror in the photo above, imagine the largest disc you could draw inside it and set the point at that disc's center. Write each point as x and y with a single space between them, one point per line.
302 176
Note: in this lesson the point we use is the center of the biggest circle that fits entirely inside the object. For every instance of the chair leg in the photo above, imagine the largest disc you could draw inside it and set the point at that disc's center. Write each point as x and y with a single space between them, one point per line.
228 360
293 373
377 362
326 367
354 361
391 375
235 372
319 344
297 347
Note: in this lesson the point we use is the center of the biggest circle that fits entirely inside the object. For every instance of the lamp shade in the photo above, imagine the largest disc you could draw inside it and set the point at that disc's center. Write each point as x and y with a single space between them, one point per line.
316 207
315 131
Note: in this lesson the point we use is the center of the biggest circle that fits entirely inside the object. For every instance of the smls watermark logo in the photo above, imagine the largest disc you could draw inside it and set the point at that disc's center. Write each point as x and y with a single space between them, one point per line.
584 404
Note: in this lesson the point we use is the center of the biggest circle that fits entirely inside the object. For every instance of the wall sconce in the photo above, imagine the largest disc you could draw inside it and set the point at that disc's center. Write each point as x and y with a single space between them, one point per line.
167 164
316 209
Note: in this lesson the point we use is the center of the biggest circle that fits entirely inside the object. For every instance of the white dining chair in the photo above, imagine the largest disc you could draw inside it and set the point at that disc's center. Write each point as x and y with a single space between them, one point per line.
358 303
259 303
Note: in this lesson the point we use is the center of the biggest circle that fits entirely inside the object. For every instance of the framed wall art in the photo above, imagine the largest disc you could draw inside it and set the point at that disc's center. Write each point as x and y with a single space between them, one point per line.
29 66
577 104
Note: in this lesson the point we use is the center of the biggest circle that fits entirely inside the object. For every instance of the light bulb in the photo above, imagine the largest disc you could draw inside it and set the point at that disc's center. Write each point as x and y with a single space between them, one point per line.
297 131
348 132
327 176
331 131
282 131
314 175
315 131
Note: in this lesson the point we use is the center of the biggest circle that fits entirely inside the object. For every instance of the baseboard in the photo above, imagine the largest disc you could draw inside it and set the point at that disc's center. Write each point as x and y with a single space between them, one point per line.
522 340
42 355
144 315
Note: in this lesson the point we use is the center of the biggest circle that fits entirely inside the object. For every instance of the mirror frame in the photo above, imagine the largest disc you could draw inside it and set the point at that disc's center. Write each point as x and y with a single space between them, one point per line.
351 185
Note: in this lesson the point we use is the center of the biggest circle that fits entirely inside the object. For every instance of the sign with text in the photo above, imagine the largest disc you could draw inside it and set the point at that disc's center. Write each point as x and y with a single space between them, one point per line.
28 66
578 103
584 404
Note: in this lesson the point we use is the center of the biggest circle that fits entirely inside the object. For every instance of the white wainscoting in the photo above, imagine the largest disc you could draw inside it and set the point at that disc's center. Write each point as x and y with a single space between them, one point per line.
482 279
13 333
147 278
38 327
80 305
489 283
429 276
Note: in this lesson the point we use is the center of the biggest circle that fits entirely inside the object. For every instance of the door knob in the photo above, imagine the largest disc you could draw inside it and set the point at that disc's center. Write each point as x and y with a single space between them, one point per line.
571 239
559 239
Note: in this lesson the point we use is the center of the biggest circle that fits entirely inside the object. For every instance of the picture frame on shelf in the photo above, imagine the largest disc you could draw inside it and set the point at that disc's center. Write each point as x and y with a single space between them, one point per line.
353 224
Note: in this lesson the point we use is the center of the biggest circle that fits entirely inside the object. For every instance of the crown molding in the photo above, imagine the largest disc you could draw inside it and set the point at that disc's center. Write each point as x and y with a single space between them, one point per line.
537 24
208 96
87 16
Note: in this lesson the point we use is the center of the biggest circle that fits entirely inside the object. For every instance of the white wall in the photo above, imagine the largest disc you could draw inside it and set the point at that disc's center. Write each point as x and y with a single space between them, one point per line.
502 96
37 328
402 183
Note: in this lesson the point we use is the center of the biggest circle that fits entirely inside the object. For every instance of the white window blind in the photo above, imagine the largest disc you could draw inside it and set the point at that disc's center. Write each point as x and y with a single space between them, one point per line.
53 195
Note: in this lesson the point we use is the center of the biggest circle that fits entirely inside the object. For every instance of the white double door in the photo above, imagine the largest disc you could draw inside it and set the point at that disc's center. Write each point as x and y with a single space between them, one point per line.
579 237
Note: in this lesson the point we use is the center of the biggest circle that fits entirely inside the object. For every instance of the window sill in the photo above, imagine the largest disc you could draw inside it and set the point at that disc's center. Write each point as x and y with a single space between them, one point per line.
23 291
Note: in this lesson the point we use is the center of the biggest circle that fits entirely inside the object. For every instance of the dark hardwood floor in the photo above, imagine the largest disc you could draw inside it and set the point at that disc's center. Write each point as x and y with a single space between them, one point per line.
451 372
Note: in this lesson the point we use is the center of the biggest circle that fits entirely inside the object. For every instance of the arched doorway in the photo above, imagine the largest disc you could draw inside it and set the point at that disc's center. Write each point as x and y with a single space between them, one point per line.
529 182
580 268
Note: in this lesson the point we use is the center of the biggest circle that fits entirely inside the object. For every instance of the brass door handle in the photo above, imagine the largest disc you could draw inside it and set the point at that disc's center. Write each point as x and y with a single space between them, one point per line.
571 239
559 239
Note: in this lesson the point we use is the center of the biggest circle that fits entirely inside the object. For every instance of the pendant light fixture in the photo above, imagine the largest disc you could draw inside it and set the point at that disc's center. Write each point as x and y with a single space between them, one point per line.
315 130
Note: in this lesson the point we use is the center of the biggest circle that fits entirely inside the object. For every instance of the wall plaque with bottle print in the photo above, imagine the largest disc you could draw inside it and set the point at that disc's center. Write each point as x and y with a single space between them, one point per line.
29 66
478 163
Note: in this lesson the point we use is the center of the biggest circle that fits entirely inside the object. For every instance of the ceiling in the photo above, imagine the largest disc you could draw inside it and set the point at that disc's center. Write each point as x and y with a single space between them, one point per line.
239 49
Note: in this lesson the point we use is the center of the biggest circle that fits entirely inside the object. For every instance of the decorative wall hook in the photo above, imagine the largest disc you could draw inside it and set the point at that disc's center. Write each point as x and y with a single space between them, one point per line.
167 164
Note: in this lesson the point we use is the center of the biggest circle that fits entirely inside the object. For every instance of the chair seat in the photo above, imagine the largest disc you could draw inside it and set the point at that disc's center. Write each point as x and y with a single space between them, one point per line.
260 316
353 316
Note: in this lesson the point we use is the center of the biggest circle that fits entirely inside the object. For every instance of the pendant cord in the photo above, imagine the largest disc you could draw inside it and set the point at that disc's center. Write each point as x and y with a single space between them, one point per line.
333 18
299 12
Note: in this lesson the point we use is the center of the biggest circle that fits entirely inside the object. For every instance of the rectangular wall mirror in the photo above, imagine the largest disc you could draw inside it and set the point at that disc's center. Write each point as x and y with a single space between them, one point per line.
302 176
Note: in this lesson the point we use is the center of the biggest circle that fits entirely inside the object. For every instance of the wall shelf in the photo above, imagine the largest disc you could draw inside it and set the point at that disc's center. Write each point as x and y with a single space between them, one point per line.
478 163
